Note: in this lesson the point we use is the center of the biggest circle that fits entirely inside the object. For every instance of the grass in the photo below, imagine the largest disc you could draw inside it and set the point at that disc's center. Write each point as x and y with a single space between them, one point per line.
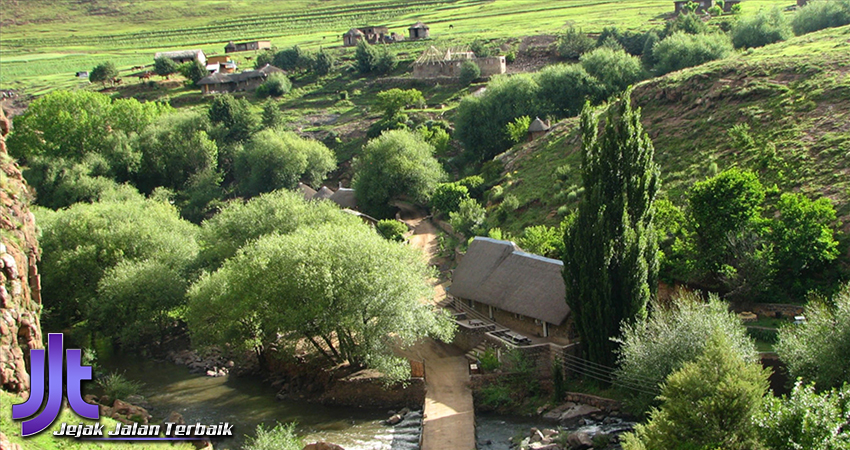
46 441
44 42
794 96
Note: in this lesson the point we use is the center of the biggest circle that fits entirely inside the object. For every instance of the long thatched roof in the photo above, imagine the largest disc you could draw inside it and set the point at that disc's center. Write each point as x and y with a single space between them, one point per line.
222 78
499 274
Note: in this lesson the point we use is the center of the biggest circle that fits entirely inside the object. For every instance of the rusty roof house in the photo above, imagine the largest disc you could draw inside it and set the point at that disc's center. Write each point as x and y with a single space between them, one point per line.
522 291
234 82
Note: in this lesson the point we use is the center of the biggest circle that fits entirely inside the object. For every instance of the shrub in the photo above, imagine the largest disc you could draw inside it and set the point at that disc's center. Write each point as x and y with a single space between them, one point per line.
615 69
540 240
447 197
818 350
394 100
480 49
805 419
517 130
682 50
820 14
473 183
574 43
386 61
672 336
715 11
103 72
469 72
281 437
764 28
564 88
468 218
496 395
193 71
117 386
687 23
489 361
709 403
164 67
276 84
391 229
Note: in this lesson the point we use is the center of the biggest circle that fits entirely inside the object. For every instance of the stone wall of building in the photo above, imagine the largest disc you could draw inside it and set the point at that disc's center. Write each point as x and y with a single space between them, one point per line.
493 65
20 287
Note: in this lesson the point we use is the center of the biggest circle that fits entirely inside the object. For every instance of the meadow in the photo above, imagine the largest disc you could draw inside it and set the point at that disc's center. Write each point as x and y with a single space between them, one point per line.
44 42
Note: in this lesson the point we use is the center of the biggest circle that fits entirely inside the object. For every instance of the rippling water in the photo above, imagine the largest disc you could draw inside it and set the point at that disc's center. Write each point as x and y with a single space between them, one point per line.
247 402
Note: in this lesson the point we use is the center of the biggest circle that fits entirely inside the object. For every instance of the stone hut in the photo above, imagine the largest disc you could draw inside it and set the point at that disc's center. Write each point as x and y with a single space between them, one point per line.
522 291
537 128
702 5
419 31
352 37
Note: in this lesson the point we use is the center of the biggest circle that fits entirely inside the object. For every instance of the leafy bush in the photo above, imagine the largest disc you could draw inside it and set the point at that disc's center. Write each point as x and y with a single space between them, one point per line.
489 361
275 159
272 116
541 240
806 419
687 23
394 165
615 69
564 88
392 229
818 350
193 71
164 66
447 197
715 11
682 50
324 62
473 183
496 395
117 386
103 72
276 84
709 403
281 437
468 218
820 14
574 43
517 130
469 72
394 100
804 235
480 49
672 336
764 28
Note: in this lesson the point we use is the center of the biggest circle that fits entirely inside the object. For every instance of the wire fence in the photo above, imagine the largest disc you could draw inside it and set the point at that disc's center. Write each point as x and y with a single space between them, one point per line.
607 374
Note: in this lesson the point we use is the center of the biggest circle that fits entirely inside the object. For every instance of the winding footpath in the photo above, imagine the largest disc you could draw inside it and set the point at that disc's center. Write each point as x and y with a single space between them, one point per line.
449 422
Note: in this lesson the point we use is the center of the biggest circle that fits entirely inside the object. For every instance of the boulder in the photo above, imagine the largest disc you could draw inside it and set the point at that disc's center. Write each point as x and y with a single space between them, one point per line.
579 441
396 418
555 414
573 415
175 418
536 435
322 446
548 432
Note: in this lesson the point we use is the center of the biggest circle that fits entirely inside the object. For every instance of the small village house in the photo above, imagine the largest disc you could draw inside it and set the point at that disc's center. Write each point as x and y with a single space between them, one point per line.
537 128
419 31
183 56
221 63
704 5
235 82
247 46
372 35
519 290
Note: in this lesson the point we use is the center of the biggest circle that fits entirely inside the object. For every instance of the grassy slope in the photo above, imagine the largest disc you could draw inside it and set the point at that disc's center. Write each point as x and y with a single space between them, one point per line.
794 95
46 441
45 41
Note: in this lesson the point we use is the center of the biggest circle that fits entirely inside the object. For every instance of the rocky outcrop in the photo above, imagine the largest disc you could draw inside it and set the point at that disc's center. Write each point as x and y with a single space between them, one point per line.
20 287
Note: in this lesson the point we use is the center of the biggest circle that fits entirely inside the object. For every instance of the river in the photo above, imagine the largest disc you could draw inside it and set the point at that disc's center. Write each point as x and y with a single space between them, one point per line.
247 402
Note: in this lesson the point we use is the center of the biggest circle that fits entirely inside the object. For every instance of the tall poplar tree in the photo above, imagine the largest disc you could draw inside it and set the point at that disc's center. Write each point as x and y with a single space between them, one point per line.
611 257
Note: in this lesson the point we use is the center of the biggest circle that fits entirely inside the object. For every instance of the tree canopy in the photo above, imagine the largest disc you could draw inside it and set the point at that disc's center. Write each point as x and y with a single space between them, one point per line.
397 165
351 293
611 251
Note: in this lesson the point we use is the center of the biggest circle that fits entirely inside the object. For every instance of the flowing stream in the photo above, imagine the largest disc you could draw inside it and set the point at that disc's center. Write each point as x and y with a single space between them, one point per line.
246 402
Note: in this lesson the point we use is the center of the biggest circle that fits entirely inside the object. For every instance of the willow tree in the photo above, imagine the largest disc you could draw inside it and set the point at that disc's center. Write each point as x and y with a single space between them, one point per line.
341 288
611 261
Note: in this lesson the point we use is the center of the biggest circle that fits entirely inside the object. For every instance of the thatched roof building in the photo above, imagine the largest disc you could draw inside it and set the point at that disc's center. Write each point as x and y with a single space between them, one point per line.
498 274
344 197
183 56
232 82
419 31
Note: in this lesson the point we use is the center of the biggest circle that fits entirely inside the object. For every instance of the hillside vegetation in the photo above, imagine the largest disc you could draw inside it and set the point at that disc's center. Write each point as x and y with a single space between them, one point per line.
44 42
781 110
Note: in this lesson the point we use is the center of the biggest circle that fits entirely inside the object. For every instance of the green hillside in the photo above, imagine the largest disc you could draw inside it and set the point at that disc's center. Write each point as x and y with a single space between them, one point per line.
44 42
794 97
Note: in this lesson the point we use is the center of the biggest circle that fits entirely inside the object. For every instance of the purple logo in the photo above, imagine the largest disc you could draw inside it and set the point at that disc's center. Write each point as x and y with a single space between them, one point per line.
76 374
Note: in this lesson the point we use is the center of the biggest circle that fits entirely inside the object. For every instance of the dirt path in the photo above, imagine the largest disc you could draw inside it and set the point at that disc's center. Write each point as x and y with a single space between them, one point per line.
449 422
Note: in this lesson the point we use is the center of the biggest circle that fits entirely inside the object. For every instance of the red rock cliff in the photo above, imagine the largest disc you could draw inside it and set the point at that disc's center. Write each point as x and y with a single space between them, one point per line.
20 288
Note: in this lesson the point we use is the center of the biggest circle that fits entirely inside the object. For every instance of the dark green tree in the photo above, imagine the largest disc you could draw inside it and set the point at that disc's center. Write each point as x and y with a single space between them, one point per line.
611 251
103 72
469 72
324 62
233 117
193 71
272 116
164 67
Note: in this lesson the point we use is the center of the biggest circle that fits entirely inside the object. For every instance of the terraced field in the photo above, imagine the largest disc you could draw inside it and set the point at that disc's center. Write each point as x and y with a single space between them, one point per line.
44 42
